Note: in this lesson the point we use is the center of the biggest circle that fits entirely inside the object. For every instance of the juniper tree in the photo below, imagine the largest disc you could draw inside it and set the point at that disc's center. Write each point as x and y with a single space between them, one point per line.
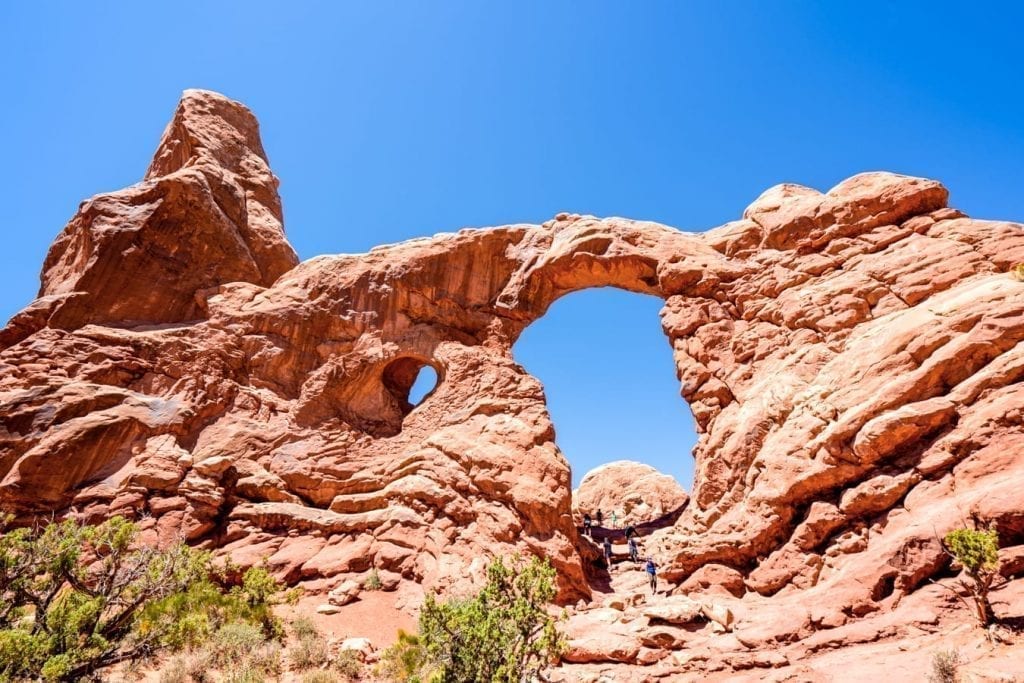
977 551
75 599
504 634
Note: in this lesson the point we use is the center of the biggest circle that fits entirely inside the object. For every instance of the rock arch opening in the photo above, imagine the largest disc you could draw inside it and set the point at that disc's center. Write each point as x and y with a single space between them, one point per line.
424 385
610 383
410 380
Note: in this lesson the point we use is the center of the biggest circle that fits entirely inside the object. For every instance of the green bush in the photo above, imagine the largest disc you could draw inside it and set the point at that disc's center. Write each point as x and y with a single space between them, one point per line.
405 661
75 599
978 552
21 654
258 586
373 582
504 634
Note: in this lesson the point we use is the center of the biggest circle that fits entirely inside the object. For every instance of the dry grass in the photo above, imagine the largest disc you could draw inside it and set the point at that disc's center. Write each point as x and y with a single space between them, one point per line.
945 667
310 650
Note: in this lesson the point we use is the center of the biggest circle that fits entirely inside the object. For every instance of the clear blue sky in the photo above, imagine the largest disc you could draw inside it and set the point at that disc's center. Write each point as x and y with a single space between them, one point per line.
389 120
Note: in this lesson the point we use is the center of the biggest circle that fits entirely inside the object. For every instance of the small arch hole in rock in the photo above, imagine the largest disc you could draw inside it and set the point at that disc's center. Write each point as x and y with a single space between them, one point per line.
409 380
425 382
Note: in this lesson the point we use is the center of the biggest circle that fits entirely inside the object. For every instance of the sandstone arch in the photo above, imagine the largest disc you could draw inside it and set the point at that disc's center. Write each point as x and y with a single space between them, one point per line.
845 354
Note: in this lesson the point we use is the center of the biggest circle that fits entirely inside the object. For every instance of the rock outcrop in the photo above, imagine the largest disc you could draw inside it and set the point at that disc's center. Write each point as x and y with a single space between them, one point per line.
207 214
635 492
852 359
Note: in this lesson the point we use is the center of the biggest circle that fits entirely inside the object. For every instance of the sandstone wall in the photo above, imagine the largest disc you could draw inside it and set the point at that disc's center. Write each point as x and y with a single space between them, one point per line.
851 358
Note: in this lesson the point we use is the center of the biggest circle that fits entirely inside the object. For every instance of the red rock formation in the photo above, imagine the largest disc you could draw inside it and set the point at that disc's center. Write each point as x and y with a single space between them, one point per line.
852 360
635 492
206 214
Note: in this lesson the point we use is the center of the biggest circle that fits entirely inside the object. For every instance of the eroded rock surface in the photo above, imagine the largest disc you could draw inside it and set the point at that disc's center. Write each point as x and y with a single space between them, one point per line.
635 492
852 359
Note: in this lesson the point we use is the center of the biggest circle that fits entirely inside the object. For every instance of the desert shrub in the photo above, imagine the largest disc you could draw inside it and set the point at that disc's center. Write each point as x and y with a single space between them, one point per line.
405 661
349 665
503 634
75 599
309 653
258 586
175 670
133 670
193 616
978 552
373 582
187 667
310 648
945 667
268 659
1017 271
233 643
246 672
303 627
320 676
224 659
21 654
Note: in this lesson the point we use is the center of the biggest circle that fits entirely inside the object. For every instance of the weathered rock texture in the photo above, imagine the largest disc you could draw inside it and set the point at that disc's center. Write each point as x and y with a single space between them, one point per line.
852 359
206 214
635 492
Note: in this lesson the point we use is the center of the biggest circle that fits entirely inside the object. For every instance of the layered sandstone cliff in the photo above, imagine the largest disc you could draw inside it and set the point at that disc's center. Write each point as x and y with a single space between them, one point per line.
852 360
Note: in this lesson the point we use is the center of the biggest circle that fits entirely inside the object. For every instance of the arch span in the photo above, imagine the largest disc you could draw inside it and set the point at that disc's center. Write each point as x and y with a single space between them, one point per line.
460 302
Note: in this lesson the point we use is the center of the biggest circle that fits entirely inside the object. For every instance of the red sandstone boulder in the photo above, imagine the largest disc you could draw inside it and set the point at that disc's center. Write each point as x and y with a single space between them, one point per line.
635 492
714 578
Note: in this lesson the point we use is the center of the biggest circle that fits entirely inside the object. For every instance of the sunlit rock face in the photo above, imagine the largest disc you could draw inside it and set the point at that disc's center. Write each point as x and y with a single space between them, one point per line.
628 492
852 360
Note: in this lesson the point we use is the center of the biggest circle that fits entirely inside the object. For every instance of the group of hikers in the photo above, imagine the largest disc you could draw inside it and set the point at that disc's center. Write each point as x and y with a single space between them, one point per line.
631 542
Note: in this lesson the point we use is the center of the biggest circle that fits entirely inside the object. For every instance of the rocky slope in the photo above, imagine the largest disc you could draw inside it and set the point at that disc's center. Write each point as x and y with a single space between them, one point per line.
852 360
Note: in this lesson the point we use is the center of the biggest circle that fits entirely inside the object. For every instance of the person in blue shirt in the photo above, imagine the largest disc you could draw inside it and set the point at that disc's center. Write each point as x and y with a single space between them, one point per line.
652 574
